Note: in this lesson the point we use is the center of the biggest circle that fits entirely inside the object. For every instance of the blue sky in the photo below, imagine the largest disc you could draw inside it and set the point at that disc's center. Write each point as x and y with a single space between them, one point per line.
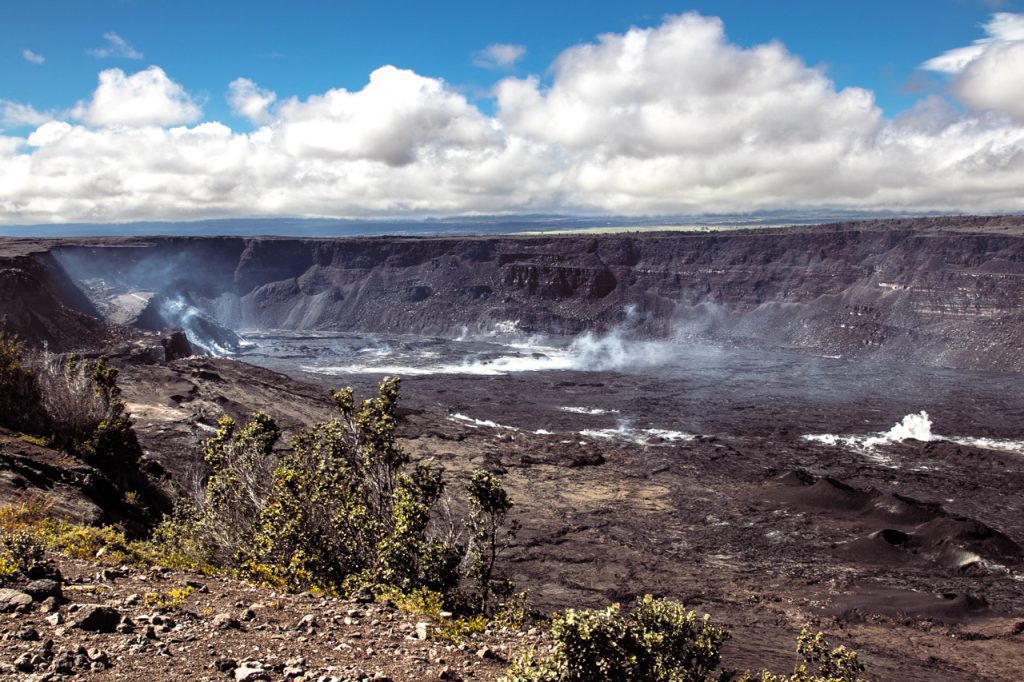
120 110
305 47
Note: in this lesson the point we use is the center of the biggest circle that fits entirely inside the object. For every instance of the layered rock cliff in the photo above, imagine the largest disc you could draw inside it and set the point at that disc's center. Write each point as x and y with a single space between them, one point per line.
40 303
944 291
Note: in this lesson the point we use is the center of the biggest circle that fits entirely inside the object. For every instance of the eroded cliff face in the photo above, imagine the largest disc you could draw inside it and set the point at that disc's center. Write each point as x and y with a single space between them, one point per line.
936 291
39 303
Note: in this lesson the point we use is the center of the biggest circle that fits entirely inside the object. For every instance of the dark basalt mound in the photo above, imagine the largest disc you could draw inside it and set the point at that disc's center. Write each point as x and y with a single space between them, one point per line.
176 346
911 530
799 489
948 607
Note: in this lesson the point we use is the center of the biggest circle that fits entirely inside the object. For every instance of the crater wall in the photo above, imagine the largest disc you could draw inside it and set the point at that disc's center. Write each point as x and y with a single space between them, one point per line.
946 291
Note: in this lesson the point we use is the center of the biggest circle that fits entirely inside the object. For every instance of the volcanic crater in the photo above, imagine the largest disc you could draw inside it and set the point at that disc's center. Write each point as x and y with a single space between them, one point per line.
720 418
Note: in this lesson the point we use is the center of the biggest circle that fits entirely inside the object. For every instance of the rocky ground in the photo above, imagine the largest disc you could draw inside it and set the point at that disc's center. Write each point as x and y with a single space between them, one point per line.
917 567
121 623
769 534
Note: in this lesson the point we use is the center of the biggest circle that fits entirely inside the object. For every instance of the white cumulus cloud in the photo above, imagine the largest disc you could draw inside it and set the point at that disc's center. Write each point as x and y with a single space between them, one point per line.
115 46
249 100
499 56
1003 27
48 133
398 116
989 74
147 97
995 80
673 118
682 88
18 115
32 57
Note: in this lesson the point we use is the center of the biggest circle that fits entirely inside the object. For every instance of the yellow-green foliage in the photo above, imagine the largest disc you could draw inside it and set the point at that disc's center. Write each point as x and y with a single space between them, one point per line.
429 604
489 505
241 461
170 600
662 642
19 394
85 542
342 509
71 539
659 641
451 626
821 663
33 440
20 552
9 568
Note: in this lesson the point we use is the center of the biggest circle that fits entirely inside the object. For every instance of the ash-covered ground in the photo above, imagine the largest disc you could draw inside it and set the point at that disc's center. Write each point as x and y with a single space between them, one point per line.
775 490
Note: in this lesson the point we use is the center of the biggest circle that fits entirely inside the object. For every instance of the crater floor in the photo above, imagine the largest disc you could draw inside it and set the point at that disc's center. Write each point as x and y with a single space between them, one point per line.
684 471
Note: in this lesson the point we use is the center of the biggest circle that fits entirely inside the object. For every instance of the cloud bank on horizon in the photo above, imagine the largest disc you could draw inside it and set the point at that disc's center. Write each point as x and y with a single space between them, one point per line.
669 119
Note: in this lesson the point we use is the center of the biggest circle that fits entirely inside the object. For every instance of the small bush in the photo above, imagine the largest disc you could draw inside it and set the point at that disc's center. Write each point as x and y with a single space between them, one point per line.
19 393
489 505
72 403
453 627
83 410
20 554
659 641
75 405
345 508
33 520
821 663
662 642
171 600
241 462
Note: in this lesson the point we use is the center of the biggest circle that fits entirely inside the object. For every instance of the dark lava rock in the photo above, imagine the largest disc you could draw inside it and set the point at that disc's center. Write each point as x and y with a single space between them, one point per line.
226 665
28 634
43 589
176 346
13 600
586 459
97 618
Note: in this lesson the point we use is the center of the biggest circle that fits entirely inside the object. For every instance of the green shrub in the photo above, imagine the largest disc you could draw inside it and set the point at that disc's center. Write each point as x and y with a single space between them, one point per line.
659 641
32 525
171 600
75 405
343 509
83 410
489 505
241 463
19 393
821 663
20 553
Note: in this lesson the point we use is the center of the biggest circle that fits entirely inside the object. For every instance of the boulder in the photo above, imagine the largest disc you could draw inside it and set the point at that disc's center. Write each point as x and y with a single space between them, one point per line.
14 600
43 589
225 621
97 618
248 672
